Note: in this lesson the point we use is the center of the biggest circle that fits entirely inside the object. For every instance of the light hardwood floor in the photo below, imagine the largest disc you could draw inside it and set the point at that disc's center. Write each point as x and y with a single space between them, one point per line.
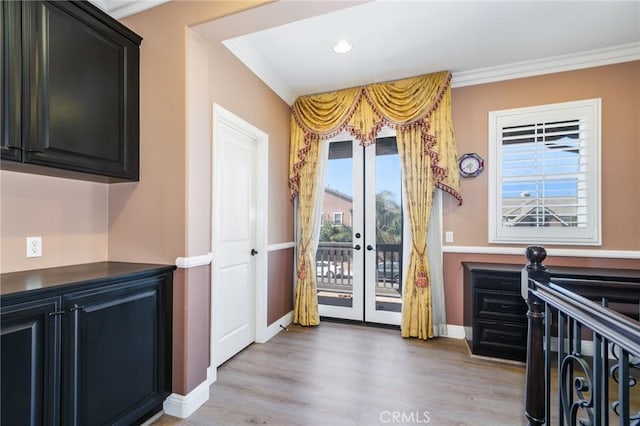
341 374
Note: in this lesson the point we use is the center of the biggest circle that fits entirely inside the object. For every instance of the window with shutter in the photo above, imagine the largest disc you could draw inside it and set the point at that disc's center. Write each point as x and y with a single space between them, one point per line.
544 171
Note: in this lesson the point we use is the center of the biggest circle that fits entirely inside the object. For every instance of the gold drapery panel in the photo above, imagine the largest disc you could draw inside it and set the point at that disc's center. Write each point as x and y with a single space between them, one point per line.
419 109
306 302
417 176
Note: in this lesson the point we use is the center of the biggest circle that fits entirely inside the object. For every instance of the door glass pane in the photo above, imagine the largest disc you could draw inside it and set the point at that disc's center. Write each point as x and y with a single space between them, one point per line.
388 219
334 257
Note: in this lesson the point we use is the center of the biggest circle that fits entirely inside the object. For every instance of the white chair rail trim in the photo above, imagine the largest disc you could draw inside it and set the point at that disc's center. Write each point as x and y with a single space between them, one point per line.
193 261
281 246
613 254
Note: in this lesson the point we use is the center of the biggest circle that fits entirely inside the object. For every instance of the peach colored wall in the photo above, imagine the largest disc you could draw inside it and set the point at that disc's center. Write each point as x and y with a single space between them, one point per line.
280 295
198 146
167 214
147 220
189 326
234 87
69 215
619 87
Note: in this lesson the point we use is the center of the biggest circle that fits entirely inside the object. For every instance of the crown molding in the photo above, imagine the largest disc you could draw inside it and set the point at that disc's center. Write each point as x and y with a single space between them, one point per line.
254 62
122 9
588 59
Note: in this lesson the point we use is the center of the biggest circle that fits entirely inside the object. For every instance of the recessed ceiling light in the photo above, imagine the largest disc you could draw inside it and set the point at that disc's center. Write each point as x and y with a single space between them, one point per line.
343 46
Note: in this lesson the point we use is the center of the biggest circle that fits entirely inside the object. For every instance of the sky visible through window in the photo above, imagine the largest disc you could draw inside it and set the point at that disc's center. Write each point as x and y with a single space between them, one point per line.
388 177
545 170
522 167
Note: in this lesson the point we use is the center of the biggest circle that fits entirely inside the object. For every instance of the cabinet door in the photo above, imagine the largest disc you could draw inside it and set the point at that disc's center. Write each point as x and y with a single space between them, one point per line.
10 81
82 89
116 358
30 363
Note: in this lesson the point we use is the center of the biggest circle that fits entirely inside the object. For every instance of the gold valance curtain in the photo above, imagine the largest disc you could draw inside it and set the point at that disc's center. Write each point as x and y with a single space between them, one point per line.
423 102
419 108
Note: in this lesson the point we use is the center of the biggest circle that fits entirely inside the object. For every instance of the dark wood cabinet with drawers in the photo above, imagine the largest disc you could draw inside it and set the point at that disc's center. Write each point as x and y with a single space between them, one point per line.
86 344
498 313
495 314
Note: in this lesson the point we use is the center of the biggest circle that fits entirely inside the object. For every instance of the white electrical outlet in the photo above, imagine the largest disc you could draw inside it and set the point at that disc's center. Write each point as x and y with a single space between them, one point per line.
448 236
34 246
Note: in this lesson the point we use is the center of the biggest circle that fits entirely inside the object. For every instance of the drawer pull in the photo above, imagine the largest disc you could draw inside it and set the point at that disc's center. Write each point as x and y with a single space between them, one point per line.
505 306
75 308
51 314
505 283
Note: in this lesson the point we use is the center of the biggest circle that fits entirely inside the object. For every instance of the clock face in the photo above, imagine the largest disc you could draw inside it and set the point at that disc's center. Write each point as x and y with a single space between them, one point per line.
470 165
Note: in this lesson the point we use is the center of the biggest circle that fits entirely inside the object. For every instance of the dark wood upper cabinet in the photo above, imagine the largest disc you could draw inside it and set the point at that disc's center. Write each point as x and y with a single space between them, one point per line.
10 80
79 89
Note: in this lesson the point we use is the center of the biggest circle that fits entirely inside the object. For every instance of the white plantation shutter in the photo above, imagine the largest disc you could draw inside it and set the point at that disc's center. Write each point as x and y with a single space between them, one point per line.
544 165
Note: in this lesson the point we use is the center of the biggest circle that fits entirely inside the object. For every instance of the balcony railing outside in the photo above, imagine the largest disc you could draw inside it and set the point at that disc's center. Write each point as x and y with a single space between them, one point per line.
334 267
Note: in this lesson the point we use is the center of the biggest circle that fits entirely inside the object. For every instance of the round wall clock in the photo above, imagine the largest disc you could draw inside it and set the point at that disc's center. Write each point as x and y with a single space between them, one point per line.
470 165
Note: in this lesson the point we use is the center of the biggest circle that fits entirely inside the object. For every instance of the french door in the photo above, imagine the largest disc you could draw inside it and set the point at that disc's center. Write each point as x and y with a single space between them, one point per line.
359 255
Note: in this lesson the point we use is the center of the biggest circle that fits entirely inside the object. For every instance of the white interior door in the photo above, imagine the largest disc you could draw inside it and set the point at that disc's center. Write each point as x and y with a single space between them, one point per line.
234 276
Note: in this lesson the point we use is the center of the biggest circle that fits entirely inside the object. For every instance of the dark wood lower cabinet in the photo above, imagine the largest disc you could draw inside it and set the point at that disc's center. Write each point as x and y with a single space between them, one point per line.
29 369
495 314
98 353
499 321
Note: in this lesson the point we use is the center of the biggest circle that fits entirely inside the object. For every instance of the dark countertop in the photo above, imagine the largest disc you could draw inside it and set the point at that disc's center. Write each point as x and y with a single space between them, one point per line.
42 279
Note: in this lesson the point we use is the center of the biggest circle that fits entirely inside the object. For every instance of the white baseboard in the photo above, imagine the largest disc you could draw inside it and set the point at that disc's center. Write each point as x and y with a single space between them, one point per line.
455 331
182 406
271 331
212 374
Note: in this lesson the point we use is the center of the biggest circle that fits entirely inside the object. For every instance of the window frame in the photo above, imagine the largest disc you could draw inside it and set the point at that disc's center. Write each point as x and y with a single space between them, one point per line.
338 222
591 234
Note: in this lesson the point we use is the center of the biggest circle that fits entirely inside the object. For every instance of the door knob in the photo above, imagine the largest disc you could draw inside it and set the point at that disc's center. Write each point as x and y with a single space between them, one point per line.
254 252
357 247
358 235
370 247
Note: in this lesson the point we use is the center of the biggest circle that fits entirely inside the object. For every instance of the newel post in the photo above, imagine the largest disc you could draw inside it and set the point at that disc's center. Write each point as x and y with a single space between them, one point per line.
534 395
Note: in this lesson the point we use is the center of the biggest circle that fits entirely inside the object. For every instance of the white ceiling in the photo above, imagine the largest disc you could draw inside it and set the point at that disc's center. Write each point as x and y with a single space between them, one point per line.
288 43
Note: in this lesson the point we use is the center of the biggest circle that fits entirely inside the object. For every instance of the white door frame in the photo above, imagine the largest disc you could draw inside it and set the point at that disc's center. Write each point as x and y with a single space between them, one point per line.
363 296
222 118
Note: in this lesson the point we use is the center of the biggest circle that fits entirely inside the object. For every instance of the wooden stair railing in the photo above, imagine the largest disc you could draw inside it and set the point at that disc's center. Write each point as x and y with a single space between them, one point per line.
558 321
